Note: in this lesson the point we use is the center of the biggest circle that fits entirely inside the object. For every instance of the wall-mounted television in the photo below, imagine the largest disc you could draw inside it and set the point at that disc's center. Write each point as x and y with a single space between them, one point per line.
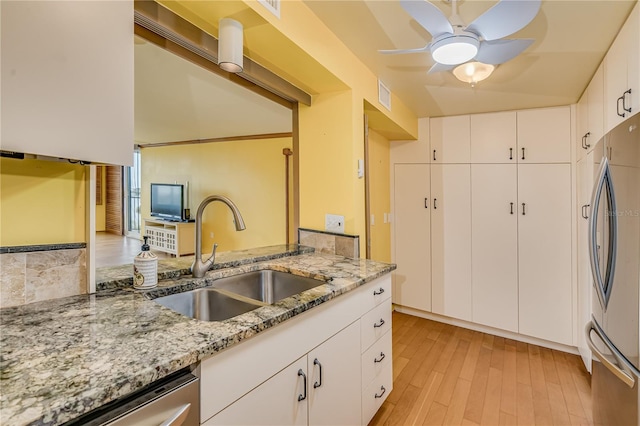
167 201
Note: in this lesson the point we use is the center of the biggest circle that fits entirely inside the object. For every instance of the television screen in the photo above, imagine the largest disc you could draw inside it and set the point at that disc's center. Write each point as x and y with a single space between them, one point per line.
167 201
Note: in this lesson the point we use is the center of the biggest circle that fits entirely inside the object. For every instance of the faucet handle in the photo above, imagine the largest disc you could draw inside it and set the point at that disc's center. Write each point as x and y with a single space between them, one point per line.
213 254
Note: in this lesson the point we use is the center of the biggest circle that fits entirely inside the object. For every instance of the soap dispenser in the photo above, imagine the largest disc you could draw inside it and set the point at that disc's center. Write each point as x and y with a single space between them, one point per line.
145 268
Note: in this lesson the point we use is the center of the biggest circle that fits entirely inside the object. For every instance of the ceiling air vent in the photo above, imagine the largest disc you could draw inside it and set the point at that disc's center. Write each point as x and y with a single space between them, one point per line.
272 5
384 95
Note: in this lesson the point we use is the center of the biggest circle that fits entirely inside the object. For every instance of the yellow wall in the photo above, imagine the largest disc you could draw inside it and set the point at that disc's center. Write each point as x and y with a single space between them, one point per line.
379 188
251 173
42 202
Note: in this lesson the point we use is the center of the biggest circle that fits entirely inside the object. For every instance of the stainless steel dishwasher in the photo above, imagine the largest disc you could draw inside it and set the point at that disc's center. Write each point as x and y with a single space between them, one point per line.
172 401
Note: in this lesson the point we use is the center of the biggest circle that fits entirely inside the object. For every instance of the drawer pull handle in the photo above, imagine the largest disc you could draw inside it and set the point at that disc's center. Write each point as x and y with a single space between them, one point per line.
319 382
377 325
303 396
382 393
382 356
378 292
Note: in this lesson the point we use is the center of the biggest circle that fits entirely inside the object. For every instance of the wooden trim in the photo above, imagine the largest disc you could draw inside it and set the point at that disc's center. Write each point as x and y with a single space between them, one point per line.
99 185
296 174
367 191
223 139
113 208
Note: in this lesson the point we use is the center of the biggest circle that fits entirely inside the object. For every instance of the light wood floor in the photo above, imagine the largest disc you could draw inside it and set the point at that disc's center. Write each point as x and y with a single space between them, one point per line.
446 375
113 250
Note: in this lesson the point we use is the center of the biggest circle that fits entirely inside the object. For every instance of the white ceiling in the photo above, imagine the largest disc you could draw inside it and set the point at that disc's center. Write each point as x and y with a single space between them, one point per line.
572 37
176 100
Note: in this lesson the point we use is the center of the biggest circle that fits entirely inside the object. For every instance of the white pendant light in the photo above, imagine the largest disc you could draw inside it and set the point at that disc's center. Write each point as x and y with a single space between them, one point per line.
473 72
230 42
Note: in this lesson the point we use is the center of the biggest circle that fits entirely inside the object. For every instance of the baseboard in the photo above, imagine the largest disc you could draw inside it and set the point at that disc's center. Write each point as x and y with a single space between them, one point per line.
487 329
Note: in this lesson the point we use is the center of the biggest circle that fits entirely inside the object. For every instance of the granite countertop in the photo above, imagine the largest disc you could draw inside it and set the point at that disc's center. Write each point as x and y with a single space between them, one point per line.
64 357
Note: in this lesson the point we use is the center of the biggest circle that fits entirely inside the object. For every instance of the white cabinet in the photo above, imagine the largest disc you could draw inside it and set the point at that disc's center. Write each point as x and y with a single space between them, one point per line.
544 252
451 240
495 245
493 137
544 135
590 115
622 73
450 139
412 236
177 238
67 79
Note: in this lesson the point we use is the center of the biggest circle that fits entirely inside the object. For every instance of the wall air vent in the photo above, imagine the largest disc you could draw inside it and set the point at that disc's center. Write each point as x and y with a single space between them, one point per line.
272 5
384 95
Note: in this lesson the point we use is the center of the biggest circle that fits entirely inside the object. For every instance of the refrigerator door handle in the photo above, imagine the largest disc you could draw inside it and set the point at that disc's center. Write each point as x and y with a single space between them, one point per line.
625 376
603 285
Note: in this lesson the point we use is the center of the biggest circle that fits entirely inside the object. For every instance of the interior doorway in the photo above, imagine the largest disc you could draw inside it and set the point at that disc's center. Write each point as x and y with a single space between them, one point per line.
132 187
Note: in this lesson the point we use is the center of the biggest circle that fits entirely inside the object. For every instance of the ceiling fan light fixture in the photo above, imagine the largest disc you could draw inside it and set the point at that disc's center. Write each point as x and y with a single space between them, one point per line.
473 72
456 49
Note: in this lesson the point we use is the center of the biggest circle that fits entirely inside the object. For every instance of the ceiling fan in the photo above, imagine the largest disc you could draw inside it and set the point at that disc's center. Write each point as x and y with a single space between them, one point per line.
454 43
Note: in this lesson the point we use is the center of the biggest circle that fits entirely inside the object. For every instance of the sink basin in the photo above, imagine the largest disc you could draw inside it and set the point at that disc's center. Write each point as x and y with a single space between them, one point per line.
206 304
235 295
266 286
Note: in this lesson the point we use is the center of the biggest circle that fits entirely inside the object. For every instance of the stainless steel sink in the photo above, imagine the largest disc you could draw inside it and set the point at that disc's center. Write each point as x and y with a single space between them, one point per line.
235 295
267 286
206 304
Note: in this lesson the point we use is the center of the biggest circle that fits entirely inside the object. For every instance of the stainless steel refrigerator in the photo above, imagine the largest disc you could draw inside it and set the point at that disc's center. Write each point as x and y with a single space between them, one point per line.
614 250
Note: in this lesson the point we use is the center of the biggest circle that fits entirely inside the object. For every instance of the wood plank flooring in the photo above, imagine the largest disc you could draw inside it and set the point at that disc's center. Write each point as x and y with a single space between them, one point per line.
447 375
113 250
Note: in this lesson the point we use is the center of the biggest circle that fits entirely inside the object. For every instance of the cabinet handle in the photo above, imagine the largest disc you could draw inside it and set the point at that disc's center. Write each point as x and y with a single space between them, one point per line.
435 205
585 145
425 203
319 382
382 356
511 212
624 100
585 210
523 153
376 325
434 155
510 153
383 391
378 292
621 98
523 211
303 396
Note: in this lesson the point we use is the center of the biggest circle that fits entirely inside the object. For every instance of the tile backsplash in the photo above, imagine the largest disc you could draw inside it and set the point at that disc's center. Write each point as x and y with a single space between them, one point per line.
329 242
33 276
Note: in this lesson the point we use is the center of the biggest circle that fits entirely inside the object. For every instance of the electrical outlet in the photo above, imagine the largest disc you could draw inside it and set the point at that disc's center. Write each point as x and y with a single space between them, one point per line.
373 220
211 235
334 223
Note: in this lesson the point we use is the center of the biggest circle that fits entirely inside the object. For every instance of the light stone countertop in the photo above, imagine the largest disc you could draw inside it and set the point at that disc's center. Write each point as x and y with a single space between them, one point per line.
65 357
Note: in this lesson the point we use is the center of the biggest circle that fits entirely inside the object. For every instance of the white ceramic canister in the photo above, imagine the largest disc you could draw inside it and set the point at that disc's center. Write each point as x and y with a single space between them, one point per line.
145 268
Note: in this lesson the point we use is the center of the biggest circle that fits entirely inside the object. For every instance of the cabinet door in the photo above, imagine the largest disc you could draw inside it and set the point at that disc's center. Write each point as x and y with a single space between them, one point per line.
544 135
582 125
495 245
544 252
335 389
596 107
451 240
412 240
275 402
585 184
450 139
67 67
493 137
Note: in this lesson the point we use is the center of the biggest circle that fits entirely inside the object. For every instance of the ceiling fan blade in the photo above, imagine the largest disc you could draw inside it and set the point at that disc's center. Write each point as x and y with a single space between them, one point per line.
500 51
428 15
438 67
401 51
505 18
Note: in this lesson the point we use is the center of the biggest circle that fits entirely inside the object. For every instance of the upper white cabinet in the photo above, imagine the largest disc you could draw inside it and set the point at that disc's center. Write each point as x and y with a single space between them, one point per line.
450 139
493 137
67 79
544 135
622 73
590 115
451 240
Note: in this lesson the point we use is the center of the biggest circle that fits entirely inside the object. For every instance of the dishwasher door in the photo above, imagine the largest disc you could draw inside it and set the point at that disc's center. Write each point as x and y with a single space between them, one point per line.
171 402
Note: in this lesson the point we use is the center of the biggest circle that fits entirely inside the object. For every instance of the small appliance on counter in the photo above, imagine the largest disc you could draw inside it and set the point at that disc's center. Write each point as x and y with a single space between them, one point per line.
145 268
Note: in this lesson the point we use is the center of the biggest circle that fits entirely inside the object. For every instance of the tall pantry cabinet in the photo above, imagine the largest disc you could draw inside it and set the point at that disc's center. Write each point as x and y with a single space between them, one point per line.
500 221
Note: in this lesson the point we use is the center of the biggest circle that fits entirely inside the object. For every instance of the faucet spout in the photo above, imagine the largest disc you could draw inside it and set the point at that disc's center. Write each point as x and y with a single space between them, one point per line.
200 267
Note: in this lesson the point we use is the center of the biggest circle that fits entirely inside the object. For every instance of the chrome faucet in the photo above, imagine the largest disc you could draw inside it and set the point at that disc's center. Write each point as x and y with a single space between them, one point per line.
200 267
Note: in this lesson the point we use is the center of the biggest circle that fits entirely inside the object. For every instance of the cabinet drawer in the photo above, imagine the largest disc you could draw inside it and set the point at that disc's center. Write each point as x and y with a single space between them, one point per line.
376 359
375 324
376 393
375 293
